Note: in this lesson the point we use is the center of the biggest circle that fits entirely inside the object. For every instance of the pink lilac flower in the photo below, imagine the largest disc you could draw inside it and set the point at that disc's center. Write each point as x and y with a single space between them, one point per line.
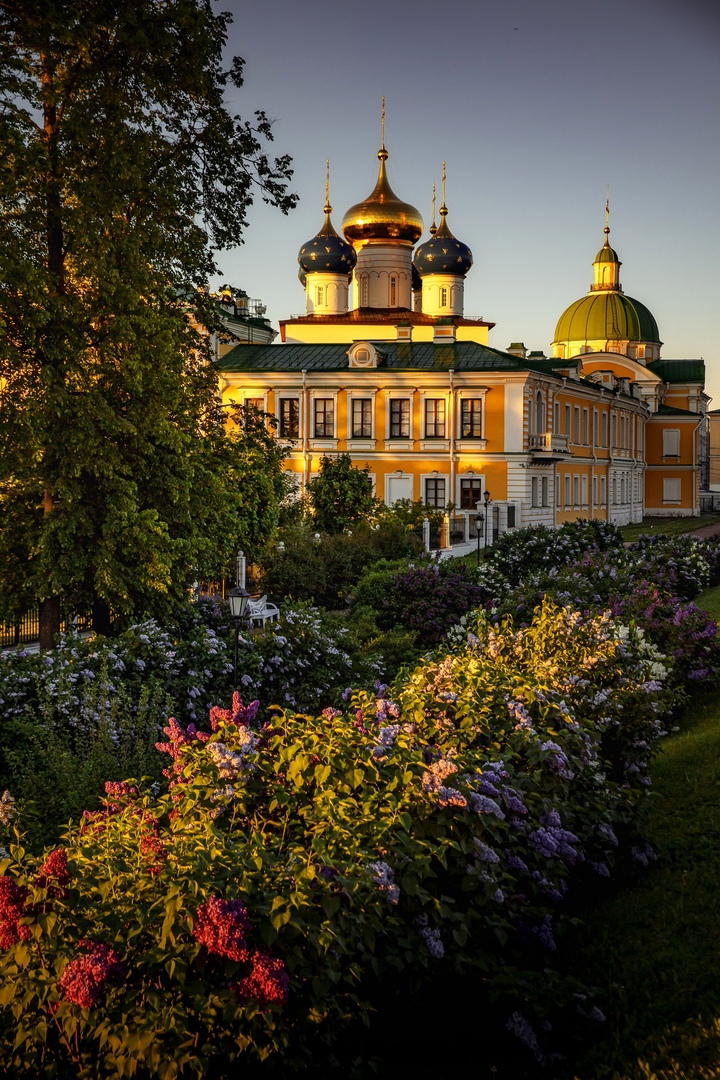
55 869
331 713
12 908
84 979
432 783
221 926
118 789
239 714
268 982
177 739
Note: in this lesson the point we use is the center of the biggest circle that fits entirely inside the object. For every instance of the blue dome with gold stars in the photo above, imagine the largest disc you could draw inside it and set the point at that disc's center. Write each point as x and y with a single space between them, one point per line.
327 253
443 253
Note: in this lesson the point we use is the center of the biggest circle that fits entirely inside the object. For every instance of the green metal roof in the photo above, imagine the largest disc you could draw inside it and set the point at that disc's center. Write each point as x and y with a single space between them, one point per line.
396 355
670 410
679 371
607 315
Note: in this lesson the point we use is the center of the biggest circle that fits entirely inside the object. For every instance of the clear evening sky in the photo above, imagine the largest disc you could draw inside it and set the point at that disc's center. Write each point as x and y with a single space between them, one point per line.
537 106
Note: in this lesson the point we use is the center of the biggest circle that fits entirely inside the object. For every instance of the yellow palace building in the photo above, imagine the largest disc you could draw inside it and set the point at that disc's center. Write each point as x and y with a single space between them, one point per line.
385 366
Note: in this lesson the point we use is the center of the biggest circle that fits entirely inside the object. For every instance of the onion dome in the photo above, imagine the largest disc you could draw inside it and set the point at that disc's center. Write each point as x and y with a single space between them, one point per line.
383 216
416 279
443 254
327 253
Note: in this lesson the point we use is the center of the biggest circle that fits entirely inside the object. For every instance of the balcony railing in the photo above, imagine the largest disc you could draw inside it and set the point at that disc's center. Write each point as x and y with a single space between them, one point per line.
548 442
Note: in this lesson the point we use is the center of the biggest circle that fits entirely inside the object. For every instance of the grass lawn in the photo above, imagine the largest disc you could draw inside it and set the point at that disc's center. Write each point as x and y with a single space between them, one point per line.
654 948
667 526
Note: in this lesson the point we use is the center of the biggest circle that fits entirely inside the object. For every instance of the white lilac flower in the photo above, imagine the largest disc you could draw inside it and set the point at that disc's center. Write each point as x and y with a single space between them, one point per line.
382 876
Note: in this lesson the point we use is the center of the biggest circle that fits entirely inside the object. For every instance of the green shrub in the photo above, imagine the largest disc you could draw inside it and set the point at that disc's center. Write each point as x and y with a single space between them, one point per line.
287 870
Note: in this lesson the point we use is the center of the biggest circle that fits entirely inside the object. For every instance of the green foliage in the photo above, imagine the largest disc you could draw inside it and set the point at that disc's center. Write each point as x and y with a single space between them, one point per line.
325 568
123 172
341 495
412 835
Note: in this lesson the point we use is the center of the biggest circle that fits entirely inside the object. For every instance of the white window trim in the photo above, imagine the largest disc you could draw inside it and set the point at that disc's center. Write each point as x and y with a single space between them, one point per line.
435 476
467 476
323 442
285 395
400 441
469 395
435 441
361 394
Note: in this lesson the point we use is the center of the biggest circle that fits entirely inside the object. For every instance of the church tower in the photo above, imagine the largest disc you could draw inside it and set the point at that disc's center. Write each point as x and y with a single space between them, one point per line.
326 266
383 229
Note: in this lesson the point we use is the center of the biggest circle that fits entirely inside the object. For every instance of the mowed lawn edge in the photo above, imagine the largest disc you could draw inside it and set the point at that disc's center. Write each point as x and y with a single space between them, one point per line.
654 948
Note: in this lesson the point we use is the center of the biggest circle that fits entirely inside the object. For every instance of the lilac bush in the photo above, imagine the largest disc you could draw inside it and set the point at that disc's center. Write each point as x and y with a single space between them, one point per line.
287 868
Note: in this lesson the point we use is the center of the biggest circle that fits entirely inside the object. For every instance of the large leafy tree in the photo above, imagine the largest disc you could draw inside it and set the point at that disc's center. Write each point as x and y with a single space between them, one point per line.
341 495
121 172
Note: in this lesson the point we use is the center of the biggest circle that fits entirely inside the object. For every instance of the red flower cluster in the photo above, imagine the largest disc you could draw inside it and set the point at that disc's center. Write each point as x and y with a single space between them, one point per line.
153 847
83 980
221 926
117 789
55 869
237 714
268 982
12 908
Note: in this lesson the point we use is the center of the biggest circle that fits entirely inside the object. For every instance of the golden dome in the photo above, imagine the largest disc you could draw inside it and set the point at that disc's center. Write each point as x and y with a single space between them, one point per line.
382 216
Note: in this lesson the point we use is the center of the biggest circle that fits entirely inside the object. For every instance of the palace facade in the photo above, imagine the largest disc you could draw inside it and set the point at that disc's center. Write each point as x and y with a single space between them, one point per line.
385 366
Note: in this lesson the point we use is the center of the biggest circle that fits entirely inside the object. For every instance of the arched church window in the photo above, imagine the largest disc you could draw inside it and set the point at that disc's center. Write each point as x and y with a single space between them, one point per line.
443 296
393 291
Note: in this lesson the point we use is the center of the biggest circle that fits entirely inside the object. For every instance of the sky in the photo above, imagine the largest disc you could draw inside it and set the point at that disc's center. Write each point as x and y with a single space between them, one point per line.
540 108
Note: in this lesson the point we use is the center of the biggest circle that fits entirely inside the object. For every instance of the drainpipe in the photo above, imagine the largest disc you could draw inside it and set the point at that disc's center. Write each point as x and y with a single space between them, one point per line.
304 430
694 463
451 420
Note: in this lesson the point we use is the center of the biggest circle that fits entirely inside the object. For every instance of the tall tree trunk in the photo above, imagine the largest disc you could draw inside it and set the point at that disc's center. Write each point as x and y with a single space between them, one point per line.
50 613
50 606
101 617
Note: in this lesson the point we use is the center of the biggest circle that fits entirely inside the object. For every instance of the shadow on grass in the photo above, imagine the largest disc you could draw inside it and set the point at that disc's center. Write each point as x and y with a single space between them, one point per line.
654 949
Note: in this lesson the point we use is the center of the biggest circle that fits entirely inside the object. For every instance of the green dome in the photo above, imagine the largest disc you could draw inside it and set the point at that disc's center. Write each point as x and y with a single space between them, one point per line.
606 316
607 254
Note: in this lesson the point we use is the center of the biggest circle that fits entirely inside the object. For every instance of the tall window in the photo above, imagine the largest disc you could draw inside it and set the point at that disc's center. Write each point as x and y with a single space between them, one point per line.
471 418
443 296
534 491
604 429
435 418
567 491
324 418
289 427
320 291
539 418
595 427
545 491
393 291
435 492
556 417
603 490
576 437
362 418
567 421
400 418
470 493
586 421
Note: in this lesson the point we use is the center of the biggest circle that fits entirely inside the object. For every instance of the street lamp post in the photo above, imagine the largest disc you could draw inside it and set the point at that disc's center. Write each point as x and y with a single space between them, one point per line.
479 529
238 599
487 500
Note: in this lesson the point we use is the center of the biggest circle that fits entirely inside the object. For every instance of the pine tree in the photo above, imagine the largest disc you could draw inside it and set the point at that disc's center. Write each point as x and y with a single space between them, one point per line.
122 171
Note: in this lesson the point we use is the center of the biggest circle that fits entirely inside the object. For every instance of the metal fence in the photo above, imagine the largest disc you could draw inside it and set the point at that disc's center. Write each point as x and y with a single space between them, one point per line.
26 629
